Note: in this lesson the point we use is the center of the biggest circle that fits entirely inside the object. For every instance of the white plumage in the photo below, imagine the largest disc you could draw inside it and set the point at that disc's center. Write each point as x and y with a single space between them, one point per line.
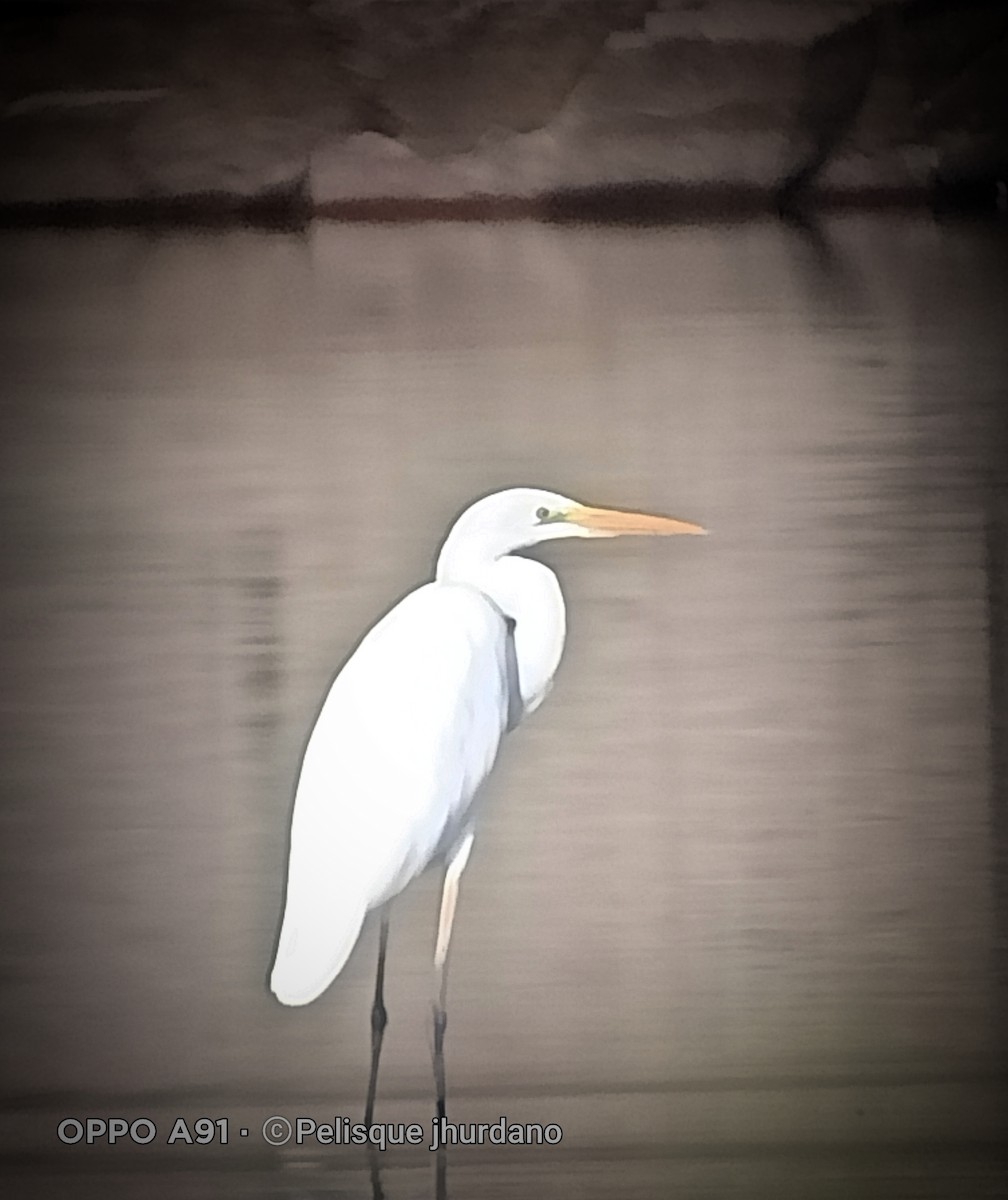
408 732
412 724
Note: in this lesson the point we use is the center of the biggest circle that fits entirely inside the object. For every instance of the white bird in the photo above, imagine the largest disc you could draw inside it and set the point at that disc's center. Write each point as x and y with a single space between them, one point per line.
410 729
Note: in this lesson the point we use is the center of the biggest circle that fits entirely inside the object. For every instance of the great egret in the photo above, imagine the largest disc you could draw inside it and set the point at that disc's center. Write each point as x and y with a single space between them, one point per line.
410 729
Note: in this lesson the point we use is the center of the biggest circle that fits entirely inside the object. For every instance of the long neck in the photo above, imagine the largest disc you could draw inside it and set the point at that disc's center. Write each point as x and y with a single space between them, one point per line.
529 593
466 553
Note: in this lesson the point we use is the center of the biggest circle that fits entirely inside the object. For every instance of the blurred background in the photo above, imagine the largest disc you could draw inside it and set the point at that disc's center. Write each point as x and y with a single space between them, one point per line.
736 918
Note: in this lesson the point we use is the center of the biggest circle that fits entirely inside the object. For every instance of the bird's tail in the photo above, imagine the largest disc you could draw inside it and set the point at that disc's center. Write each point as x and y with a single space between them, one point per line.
316 938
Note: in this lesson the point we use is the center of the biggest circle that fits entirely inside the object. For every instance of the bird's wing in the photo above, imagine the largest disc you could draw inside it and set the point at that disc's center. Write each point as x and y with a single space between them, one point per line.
409 730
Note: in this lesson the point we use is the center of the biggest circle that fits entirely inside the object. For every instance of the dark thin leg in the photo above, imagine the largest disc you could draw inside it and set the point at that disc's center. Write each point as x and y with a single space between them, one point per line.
440 1022
379 1019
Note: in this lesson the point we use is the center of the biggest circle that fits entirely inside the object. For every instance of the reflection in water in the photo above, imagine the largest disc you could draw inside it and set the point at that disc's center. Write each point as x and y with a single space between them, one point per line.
375 1171
735 901
441 1174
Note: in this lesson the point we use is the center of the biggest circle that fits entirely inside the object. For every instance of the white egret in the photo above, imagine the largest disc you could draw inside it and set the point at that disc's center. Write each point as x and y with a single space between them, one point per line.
410 729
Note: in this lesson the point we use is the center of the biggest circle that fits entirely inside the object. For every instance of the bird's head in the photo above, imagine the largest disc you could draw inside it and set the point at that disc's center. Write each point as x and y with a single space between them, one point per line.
521 517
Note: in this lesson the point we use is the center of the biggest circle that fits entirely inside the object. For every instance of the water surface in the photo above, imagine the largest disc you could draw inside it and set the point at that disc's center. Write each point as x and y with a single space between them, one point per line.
736 894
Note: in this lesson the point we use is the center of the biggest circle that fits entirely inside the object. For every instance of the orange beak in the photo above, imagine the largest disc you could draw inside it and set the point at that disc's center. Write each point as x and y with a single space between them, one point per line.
611 522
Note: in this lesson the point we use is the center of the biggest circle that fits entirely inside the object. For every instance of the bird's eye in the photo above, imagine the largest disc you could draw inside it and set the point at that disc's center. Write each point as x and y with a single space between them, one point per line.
542 513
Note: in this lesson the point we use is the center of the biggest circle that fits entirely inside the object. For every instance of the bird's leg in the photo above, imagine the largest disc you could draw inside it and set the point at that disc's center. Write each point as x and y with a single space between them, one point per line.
449 899
379 1019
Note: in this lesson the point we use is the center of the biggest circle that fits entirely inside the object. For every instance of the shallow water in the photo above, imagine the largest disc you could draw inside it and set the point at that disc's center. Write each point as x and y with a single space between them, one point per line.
752 845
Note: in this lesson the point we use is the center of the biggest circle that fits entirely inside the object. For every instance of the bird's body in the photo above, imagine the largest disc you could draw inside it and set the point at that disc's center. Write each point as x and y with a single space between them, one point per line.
411 728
